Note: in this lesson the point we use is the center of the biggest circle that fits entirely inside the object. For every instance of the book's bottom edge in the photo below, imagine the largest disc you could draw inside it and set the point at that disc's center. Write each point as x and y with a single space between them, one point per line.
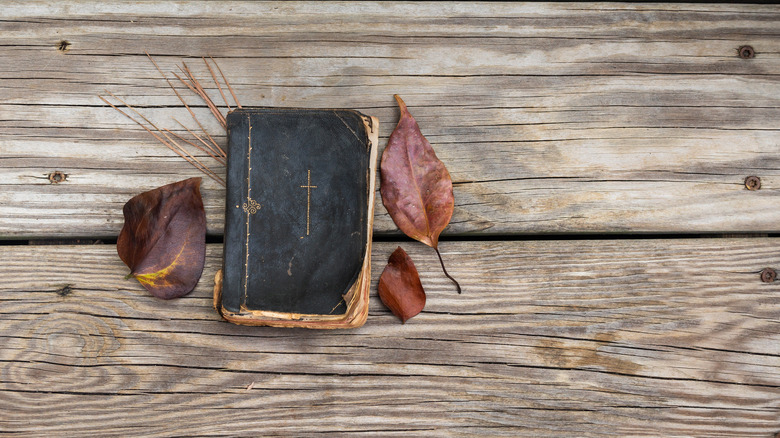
355 316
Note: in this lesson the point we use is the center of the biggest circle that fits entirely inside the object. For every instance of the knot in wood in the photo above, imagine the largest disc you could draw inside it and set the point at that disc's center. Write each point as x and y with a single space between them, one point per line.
753 183
768 275
746 52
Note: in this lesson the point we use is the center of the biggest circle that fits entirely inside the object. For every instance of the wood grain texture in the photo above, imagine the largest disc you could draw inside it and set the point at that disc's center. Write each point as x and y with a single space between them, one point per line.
550 117
550 338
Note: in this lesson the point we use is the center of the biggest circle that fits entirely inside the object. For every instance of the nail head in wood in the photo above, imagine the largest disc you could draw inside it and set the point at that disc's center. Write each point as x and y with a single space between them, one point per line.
768 275
753 183
57 177
746 52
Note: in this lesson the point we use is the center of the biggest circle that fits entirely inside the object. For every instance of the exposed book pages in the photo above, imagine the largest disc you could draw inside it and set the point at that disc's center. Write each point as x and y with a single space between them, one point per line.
298 217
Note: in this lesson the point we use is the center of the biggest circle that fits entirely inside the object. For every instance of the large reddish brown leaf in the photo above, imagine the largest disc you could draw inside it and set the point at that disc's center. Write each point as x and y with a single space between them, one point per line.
416 187
399 286
163 241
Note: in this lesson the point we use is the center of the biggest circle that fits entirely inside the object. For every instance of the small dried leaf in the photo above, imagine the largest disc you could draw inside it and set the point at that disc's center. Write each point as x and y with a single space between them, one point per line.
399 286
163 241
416 186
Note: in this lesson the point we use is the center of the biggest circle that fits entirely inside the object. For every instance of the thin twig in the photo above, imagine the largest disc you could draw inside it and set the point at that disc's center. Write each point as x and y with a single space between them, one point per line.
210 172
168 138
219 180
184 154
183 102
226 82
195 145
206 98
219 87
202 93
208 146
171 141
193 115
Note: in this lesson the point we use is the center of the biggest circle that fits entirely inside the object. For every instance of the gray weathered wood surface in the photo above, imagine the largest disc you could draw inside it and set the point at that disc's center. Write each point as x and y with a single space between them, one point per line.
580 338
552 118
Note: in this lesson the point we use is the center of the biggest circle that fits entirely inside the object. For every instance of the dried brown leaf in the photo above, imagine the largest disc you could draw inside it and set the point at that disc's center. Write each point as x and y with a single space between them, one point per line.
163 240
400 288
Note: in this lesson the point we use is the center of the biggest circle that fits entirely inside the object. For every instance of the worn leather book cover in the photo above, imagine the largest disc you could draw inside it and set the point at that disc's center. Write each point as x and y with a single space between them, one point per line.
298 217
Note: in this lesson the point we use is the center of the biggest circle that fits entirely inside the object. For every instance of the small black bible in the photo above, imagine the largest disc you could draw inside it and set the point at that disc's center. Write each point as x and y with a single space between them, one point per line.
298 217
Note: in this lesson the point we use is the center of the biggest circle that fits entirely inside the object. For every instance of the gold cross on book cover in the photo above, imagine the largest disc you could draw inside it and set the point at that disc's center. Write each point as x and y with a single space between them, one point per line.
298 217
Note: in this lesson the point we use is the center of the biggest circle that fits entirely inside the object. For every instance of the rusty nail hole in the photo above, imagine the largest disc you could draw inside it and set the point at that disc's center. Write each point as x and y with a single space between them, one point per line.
753 183
63 45
57 177
64 291
768 275
746 52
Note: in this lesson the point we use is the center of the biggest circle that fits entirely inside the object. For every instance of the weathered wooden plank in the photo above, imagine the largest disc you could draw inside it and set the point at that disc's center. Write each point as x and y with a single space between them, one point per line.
550 117
550 338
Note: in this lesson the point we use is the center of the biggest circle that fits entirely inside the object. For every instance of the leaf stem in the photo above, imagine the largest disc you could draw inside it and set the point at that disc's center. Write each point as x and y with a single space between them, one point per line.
445 270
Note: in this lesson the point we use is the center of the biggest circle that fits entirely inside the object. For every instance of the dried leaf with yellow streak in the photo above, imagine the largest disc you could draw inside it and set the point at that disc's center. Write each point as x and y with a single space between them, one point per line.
163 241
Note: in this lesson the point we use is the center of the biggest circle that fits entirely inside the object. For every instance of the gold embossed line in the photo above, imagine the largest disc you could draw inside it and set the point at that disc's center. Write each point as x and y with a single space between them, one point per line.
248 197
308 188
